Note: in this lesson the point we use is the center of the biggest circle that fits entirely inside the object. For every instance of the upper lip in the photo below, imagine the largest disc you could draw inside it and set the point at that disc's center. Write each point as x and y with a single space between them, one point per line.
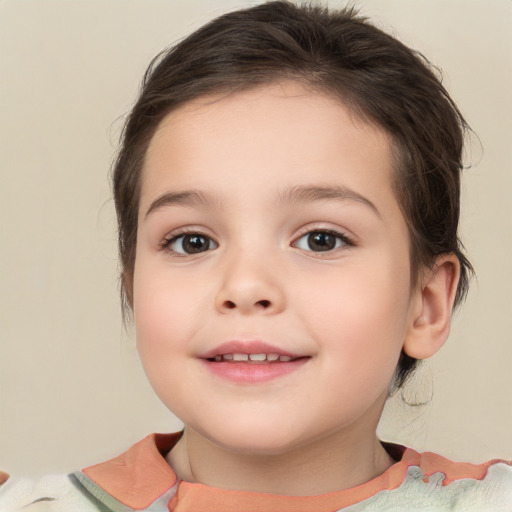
246 347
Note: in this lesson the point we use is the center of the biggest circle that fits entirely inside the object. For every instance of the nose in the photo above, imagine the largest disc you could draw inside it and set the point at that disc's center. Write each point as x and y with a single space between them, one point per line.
249 287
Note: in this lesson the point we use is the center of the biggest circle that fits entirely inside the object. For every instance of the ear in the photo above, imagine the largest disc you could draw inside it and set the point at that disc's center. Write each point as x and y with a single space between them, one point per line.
431 308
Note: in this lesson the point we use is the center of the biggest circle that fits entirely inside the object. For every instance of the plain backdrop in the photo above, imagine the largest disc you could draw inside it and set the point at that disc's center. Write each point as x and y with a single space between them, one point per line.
72 392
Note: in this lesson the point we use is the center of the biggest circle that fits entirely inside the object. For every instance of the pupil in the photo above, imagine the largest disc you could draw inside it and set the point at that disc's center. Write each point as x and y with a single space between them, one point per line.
321 242
195 243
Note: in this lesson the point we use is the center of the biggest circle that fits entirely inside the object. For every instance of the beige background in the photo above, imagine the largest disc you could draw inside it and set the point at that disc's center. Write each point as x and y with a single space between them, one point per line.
71 389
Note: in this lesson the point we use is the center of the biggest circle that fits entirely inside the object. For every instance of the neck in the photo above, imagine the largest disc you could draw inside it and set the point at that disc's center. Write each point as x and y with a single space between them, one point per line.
338 461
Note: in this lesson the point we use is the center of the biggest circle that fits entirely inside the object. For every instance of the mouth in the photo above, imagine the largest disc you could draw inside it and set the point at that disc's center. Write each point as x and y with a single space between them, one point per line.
251 362
252 358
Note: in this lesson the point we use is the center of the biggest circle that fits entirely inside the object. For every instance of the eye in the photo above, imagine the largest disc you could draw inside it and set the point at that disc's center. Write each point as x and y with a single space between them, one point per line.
322 241
190 243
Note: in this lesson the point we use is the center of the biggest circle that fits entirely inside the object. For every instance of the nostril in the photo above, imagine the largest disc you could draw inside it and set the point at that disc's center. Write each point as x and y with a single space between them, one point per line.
263 304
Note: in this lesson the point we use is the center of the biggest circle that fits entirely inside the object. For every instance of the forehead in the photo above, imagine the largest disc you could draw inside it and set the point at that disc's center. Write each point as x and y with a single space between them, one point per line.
276 135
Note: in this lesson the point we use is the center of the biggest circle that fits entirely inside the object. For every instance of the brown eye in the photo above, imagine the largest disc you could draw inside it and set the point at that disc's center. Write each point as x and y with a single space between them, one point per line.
321 241
192 243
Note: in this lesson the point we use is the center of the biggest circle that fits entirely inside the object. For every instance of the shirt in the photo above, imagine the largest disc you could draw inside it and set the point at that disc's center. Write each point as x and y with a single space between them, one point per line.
141 479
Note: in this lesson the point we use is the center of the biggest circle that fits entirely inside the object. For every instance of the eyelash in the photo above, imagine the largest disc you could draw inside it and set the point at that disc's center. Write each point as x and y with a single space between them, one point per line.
166 243
346 241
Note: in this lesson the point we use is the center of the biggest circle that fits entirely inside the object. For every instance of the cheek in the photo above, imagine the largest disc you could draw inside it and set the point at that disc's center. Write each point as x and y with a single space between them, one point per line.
162 315
163 326
361 316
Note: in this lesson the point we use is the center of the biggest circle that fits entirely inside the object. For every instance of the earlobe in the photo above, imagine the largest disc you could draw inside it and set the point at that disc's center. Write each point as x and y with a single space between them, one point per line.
432 308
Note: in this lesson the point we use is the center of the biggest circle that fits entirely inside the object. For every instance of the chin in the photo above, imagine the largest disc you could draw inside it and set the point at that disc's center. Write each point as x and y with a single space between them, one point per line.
254 438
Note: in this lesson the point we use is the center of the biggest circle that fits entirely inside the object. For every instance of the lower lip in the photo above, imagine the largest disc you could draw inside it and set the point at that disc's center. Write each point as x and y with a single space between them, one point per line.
247 373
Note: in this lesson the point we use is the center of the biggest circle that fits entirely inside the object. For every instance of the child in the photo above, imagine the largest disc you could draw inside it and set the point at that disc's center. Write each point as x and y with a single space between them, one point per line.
288 197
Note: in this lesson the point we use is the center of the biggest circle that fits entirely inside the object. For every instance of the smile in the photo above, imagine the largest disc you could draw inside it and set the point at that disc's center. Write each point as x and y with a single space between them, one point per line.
250 362
252 358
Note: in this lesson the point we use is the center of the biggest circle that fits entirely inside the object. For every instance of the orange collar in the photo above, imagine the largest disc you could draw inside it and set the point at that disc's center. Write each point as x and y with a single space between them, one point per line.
141 475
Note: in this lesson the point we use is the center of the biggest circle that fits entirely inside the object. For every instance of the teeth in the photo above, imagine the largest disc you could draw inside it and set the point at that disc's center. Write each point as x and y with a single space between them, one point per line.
257 357
252 357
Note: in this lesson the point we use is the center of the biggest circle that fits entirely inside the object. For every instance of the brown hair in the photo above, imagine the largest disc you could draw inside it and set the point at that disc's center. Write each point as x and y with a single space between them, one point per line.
339 53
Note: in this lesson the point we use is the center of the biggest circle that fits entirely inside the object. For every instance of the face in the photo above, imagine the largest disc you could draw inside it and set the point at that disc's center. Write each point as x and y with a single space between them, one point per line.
271 286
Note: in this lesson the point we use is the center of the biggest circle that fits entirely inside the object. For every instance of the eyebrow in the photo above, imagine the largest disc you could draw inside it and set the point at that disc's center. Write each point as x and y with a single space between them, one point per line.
185 198
312 193
292 195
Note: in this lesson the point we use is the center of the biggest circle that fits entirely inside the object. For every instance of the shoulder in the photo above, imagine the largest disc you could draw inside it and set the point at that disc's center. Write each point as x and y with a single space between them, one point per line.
139 479
491 490
436 483
52 493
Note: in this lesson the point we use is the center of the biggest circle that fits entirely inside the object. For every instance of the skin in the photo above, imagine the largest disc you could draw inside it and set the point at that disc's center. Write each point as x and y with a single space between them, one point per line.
349 310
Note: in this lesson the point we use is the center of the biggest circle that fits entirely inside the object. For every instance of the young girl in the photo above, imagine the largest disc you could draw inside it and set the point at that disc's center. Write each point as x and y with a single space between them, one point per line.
287 194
